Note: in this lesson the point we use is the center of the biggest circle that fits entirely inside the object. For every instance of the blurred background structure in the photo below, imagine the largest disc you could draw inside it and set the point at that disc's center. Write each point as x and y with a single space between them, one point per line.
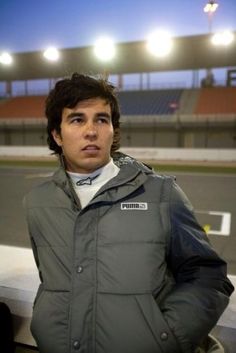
174 91
197 111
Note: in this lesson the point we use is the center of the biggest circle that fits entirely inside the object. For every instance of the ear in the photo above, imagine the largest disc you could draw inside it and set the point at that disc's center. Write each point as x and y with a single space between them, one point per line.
57 137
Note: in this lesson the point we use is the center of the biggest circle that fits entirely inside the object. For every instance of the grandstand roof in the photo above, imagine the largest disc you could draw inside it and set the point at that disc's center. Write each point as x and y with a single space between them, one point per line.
189 53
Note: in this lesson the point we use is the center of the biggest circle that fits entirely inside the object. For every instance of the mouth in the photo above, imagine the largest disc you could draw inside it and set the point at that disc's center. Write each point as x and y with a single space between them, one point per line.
91 148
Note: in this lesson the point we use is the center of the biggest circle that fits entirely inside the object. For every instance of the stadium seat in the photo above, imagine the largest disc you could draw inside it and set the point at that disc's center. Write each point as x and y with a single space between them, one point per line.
149 102
216 100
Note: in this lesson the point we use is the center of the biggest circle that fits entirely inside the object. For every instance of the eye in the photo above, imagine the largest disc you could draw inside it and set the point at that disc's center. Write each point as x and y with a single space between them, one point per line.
76 120
103 120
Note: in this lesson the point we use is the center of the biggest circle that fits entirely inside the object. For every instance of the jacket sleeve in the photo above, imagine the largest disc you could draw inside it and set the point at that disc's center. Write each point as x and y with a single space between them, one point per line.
202 288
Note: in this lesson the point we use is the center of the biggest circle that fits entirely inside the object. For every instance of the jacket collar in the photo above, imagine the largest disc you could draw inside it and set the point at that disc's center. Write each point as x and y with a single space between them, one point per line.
121 159
128 180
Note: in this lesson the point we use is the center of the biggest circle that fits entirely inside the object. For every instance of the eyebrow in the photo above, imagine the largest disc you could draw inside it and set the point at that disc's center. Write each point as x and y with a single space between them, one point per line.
80 114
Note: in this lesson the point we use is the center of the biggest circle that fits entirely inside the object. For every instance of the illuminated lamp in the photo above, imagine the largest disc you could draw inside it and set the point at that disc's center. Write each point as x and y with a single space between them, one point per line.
6 59
51 54
104 49
222 38
211 6
159 43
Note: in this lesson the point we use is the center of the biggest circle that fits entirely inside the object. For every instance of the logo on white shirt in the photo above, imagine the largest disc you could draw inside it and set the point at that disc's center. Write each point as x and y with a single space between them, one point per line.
140 206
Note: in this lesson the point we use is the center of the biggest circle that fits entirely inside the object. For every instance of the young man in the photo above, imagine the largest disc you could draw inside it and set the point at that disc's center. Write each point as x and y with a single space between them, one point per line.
124 265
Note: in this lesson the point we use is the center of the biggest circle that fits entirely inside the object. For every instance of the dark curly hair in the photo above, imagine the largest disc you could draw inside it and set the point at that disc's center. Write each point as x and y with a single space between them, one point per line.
68 92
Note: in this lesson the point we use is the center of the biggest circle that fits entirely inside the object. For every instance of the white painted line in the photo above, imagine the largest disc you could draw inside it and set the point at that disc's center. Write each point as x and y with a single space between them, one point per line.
225 223
225 227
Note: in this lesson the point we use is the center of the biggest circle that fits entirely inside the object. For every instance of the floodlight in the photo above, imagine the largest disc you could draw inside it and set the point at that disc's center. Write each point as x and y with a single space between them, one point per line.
51 54
104 49
6 59
222 38
211 6
159 43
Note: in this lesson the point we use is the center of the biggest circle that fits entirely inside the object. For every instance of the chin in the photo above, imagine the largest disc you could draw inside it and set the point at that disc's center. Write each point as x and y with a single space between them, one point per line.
91 167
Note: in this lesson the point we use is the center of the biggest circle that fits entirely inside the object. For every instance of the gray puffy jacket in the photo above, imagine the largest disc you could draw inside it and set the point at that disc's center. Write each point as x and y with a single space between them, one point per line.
132 272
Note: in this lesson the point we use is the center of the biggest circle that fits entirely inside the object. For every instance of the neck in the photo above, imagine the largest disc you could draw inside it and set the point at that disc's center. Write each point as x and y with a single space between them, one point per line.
64 165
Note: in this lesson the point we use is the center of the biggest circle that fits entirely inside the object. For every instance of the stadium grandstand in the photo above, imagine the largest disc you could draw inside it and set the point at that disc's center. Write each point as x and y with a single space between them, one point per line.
193 118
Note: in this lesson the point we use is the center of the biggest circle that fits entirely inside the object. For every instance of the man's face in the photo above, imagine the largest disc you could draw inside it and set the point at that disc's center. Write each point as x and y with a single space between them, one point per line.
86 135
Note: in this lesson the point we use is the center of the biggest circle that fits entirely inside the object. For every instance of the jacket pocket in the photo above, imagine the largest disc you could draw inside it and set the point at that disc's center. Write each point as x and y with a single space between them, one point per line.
132 324
49 324
36 312
157 325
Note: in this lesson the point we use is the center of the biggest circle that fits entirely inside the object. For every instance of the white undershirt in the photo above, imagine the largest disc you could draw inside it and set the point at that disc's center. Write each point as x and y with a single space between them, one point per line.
102 176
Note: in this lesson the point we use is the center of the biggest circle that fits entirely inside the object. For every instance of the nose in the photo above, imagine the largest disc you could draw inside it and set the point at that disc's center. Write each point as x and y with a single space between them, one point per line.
90 131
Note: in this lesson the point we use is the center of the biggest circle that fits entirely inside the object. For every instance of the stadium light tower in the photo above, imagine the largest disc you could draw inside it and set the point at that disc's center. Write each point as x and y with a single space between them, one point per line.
210 8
